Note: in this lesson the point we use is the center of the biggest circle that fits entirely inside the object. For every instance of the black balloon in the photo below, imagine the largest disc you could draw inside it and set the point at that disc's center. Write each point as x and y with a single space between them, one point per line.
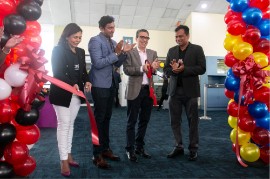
37 103
25 118
40 2
14 24
7 133
6 170
30 10
4 39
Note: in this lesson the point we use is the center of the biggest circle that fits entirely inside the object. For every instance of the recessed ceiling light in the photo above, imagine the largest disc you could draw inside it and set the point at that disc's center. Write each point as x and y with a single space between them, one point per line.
204 6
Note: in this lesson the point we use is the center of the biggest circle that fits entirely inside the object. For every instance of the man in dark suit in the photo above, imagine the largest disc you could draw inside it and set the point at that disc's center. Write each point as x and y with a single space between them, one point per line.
139 102
184 63
105 53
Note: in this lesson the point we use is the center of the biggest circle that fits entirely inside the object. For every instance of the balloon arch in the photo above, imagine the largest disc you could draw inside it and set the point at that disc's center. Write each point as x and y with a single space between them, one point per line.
20 86
248 83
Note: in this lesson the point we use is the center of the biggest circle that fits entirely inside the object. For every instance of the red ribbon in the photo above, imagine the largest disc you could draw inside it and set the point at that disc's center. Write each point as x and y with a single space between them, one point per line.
33 63
151 88
251 77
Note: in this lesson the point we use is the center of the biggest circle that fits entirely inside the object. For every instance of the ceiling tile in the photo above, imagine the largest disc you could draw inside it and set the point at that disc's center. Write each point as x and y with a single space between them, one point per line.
142 11
81 7
125 20
160 3
157 12
183 14
127 10
175 4
138 22
82 18
114 2
145 3
130 3
97 8
97 1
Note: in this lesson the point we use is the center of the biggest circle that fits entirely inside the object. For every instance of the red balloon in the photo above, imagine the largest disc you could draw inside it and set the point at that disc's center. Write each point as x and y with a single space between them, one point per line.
261 4
230 60
229 94
266 13
21 49
8 110
1 20
262 94
252 35
246 123
236 27
33 28
25 168
29 135
260 136
262 45
18 126
16 152
265 154
34 41
7 7
232 109
243 110
232 15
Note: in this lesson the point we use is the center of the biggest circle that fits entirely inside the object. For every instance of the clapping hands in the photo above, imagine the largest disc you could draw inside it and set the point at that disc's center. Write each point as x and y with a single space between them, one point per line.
125 47
178 66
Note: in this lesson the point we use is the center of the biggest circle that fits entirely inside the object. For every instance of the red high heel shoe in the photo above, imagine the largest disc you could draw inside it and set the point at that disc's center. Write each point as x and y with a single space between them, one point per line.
74 164
65 174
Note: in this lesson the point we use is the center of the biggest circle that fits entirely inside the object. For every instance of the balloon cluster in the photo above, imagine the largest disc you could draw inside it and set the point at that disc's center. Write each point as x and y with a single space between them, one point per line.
20 86
247 83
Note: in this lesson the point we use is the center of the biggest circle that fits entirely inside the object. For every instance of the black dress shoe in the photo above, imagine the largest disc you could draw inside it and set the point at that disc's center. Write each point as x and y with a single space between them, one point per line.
176 151
109 155
193 156
131 156
142 153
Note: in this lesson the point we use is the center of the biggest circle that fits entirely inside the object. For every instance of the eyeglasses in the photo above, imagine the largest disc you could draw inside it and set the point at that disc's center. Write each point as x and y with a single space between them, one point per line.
144 37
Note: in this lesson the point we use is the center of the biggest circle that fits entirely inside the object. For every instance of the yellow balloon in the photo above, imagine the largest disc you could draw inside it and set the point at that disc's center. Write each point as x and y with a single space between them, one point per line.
260 59
267 85
231 100
230 41
161 65
267 68
232 121
250 152
243 136
242 50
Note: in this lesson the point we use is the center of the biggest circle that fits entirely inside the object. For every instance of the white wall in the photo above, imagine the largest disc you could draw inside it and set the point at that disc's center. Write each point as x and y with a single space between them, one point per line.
209 31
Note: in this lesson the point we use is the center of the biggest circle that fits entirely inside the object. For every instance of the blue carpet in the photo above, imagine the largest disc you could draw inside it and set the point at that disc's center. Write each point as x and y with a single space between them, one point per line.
216 158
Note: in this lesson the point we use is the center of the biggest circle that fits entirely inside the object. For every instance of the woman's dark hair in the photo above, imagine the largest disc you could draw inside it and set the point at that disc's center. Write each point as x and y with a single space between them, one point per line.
104 20
141 30
184 27
70 29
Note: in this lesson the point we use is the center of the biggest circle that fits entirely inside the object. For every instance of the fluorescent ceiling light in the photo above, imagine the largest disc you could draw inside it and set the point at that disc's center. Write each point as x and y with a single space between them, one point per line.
204 6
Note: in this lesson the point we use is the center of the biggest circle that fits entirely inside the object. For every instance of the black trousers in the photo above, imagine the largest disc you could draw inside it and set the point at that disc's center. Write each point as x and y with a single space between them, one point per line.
103 102
138 109
176 103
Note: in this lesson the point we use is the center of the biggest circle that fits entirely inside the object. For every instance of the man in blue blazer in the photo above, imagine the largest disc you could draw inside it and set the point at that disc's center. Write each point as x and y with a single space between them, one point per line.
184 63
105 53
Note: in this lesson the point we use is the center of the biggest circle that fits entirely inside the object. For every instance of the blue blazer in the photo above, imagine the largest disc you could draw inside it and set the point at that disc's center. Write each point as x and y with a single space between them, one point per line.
103 59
